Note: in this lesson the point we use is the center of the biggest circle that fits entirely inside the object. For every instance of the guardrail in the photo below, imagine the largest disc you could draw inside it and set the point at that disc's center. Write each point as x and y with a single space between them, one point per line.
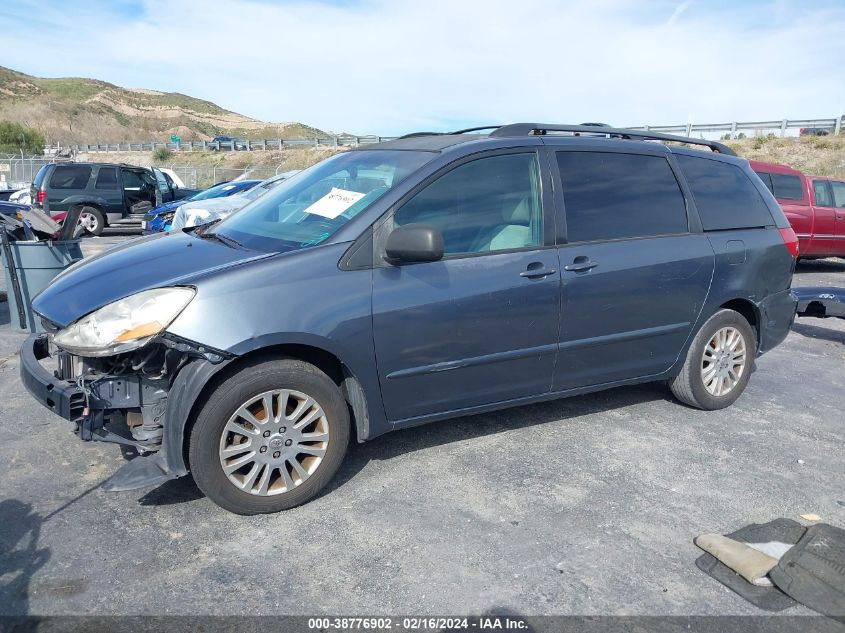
832 126
237 145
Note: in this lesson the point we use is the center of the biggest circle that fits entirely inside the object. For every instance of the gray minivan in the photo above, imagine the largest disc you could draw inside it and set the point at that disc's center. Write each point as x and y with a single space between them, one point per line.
420 279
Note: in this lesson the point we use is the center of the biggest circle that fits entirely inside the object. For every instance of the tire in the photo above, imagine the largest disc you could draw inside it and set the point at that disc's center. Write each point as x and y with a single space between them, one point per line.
241 398
92 220
724 387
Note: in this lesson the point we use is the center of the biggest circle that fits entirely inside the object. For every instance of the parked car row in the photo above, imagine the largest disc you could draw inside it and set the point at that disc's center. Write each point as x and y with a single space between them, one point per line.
108 194
814 206
160 218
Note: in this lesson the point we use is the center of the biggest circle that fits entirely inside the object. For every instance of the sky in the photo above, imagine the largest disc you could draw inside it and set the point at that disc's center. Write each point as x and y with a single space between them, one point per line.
395 66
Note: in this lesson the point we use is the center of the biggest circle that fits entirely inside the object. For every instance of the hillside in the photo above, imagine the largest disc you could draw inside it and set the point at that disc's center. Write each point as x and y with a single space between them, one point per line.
817 155
74 110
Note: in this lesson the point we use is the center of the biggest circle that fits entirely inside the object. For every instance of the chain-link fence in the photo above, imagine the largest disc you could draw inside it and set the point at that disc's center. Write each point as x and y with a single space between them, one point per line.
199 177
16 172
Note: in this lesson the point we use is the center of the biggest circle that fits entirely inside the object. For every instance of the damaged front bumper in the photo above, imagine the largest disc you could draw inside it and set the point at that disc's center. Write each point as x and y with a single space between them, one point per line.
125 403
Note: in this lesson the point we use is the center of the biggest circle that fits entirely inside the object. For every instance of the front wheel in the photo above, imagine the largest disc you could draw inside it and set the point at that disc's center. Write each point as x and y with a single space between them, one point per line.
718 363
269 438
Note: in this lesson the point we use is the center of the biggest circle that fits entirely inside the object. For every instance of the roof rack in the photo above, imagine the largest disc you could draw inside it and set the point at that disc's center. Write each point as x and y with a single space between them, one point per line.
417 134
541 129
476 129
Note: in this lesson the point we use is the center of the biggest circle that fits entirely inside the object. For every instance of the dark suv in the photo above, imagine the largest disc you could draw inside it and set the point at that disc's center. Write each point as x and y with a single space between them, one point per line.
419 279
104 192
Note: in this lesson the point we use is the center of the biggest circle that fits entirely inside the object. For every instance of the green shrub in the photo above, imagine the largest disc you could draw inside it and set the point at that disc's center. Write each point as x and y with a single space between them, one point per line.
15 137
162 154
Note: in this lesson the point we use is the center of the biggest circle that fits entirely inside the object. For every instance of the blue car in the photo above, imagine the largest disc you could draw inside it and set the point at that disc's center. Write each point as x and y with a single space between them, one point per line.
159 219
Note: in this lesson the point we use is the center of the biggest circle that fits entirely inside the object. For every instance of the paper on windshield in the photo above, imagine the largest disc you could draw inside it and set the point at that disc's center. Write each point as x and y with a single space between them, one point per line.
334 203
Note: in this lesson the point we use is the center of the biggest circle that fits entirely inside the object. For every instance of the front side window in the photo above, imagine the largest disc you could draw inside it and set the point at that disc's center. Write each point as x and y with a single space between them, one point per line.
489 204
823 197
311 206
838 193
70 177
612 196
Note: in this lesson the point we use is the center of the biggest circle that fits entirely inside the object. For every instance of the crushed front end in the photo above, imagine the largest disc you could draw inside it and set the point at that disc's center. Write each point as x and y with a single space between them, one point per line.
121 399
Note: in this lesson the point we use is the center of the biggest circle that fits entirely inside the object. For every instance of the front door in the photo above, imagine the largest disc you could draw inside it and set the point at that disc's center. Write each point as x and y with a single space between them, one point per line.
481 325
838 189
634 277
824 240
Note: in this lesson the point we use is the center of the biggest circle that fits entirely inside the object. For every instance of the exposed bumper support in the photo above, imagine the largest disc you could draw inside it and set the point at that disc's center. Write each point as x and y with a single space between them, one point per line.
820 302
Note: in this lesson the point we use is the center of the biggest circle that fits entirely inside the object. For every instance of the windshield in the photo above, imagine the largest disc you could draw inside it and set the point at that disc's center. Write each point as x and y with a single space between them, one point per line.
216 191
309 207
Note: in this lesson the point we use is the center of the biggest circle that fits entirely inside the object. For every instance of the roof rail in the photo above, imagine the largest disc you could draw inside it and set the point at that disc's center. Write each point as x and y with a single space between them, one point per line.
540 129
416 134
476 129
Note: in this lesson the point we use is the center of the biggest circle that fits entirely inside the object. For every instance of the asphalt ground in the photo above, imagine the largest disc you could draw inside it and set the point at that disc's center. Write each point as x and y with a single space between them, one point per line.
582 506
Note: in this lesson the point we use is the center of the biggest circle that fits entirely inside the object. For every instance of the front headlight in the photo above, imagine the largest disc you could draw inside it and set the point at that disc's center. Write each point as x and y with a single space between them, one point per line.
126 324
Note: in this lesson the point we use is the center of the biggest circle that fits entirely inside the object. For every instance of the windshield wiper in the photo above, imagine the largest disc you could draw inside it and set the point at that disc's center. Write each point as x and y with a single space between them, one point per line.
231 241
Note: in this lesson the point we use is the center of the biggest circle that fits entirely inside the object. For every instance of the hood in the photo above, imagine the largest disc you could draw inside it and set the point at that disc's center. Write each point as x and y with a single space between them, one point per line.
227 203
164 259
166 207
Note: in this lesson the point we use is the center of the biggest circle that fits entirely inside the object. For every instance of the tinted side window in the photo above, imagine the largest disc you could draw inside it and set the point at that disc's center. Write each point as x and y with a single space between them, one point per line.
838 194
132 179
39 177
106 178
766 177
70 177
489 204
726 198
610 196
823 197
787 187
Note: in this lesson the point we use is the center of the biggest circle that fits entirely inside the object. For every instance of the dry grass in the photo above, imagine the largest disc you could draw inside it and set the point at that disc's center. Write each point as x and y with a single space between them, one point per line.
817 155
74 110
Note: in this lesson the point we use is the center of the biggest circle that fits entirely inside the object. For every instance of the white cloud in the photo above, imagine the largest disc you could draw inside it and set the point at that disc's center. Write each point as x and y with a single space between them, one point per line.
388 66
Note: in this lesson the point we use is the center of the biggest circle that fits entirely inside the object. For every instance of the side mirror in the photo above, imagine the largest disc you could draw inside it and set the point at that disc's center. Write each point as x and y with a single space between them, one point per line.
414 243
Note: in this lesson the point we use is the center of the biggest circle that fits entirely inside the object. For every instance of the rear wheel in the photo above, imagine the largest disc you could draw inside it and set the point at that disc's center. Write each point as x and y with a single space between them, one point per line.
91 219
718 363
269 438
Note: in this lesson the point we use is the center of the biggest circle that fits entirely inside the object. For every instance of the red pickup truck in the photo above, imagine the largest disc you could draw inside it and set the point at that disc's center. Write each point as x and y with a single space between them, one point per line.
814 205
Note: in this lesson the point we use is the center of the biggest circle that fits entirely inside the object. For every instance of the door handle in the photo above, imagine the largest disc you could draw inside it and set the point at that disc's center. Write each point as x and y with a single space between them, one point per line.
536 273
581 264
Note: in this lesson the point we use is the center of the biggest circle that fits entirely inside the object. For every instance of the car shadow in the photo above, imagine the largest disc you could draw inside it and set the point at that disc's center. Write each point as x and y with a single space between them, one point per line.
420 438
4 312
829 265
817 332
20 556
397 443
172 492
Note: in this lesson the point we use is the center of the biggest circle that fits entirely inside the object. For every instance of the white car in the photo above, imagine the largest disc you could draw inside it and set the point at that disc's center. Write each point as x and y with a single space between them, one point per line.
21 196
205 211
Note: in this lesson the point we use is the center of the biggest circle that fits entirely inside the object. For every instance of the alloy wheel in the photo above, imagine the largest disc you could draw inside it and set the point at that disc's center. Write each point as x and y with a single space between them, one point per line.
274 442
724 361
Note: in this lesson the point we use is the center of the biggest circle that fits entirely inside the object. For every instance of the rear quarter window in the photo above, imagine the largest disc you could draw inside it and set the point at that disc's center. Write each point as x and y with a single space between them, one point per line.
787 187
39 177
70 177
725 196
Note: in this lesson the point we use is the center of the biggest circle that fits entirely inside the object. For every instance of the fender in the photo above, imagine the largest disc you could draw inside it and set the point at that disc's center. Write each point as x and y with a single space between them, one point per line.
192 379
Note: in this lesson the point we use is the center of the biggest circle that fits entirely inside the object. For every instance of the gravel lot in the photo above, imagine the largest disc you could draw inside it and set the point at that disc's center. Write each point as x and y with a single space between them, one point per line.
581 506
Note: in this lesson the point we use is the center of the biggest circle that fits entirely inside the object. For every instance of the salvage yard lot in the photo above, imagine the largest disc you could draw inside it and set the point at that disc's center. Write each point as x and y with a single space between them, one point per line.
581 506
